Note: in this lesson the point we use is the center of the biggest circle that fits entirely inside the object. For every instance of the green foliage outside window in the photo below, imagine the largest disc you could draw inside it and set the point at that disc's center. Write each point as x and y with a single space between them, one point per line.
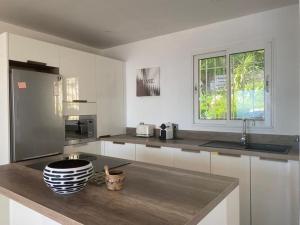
246 86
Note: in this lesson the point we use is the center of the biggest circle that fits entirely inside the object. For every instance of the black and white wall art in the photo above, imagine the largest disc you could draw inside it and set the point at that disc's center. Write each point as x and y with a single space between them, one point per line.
148 82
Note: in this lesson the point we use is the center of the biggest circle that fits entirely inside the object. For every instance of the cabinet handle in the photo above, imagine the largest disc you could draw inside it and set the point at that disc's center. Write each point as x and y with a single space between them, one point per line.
118 143
228 154
80 144
274 160
36 63
153 146
80 101
190 150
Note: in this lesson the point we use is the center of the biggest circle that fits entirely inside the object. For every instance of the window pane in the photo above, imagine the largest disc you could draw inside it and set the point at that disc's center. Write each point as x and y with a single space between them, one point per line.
247 85
212 88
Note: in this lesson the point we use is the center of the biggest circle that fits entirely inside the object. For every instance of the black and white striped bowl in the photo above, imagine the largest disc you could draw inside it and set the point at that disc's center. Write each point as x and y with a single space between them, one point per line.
68 176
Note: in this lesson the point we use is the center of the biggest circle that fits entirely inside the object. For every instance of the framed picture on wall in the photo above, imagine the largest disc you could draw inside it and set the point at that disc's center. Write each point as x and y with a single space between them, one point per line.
148 82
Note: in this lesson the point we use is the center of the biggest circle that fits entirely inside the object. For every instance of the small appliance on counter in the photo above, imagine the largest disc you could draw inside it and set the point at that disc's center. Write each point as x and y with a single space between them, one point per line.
145 130
166 131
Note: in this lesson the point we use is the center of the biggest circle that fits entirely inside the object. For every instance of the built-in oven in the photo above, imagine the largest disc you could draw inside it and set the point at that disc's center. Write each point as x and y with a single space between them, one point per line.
80 129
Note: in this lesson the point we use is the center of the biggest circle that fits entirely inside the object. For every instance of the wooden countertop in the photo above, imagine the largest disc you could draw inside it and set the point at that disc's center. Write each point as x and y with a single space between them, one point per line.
194 144
153 195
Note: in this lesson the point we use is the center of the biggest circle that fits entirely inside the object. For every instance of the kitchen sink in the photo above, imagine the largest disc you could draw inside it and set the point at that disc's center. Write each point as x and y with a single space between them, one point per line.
281 149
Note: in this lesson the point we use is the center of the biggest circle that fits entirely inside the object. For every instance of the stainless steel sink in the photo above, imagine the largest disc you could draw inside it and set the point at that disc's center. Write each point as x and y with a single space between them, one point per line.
281 149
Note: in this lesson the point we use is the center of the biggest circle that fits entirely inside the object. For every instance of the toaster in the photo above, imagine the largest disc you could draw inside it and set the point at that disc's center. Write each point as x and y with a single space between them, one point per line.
145 130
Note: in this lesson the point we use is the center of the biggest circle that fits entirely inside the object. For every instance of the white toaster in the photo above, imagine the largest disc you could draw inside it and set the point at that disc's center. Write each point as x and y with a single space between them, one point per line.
145 130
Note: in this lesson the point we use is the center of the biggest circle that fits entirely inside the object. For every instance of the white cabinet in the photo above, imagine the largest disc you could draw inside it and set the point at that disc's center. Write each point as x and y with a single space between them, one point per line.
238 167
25 49
77 109
119 150
90 147
110 96
4 210
154 154
225 213
274 192
191 160
20 213
78 71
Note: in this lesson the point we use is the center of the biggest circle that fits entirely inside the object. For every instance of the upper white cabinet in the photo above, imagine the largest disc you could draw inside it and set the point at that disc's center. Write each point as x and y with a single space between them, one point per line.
238 167
25 49
154 154
78 71
274 192
110 96
191 160
77 109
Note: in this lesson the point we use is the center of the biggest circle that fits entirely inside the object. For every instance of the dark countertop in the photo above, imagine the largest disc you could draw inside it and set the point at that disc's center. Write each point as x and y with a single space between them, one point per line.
194 144
152 195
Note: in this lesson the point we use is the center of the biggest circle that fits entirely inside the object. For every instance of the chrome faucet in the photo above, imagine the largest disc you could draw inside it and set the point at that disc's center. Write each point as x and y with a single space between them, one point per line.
244 138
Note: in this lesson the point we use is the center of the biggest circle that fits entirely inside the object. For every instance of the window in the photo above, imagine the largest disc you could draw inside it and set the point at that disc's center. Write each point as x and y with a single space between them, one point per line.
233 84
247 85
212 88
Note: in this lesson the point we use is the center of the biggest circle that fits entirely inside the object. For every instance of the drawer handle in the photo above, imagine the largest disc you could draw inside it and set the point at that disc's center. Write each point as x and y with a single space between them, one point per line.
230 155
274 160
190 150
153 146
80 144
79 101
36 63
118 143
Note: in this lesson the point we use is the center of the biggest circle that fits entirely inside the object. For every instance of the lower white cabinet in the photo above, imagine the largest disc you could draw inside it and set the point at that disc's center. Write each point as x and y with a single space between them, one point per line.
269 190
225 213
239 167
4 210
119 150
90 147
154 154
275 192
20 215
191 160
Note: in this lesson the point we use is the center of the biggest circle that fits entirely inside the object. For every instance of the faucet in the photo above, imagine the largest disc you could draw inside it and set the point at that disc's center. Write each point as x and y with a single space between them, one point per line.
244 138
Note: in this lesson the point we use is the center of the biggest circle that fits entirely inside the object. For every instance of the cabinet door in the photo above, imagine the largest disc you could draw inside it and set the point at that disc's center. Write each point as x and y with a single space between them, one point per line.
78 71
110 96
238 167
91 147
25 49
77 109
120 150
4 210
192 160
275 192
154 154
20 213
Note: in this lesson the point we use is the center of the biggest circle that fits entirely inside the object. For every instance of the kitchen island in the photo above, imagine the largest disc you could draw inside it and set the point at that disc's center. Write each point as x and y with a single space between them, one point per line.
152 195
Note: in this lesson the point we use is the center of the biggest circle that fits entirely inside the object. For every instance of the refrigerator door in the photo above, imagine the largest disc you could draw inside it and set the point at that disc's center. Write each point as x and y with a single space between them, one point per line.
37 126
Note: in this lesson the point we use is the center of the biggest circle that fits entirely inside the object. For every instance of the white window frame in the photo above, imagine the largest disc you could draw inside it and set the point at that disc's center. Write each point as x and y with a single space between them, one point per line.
227 51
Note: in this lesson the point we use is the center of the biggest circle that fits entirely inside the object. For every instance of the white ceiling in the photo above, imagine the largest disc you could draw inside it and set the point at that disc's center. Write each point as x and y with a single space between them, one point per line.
107 23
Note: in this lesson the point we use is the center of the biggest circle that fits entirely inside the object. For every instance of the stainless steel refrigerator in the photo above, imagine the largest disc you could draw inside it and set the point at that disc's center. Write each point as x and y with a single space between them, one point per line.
37 125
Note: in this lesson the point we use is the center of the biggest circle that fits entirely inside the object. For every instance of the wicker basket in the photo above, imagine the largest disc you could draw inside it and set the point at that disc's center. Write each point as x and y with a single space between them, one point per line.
115 180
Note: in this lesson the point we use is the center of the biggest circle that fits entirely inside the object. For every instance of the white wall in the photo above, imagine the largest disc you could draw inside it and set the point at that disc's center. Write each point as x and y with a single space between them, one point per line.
7 27
173 53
